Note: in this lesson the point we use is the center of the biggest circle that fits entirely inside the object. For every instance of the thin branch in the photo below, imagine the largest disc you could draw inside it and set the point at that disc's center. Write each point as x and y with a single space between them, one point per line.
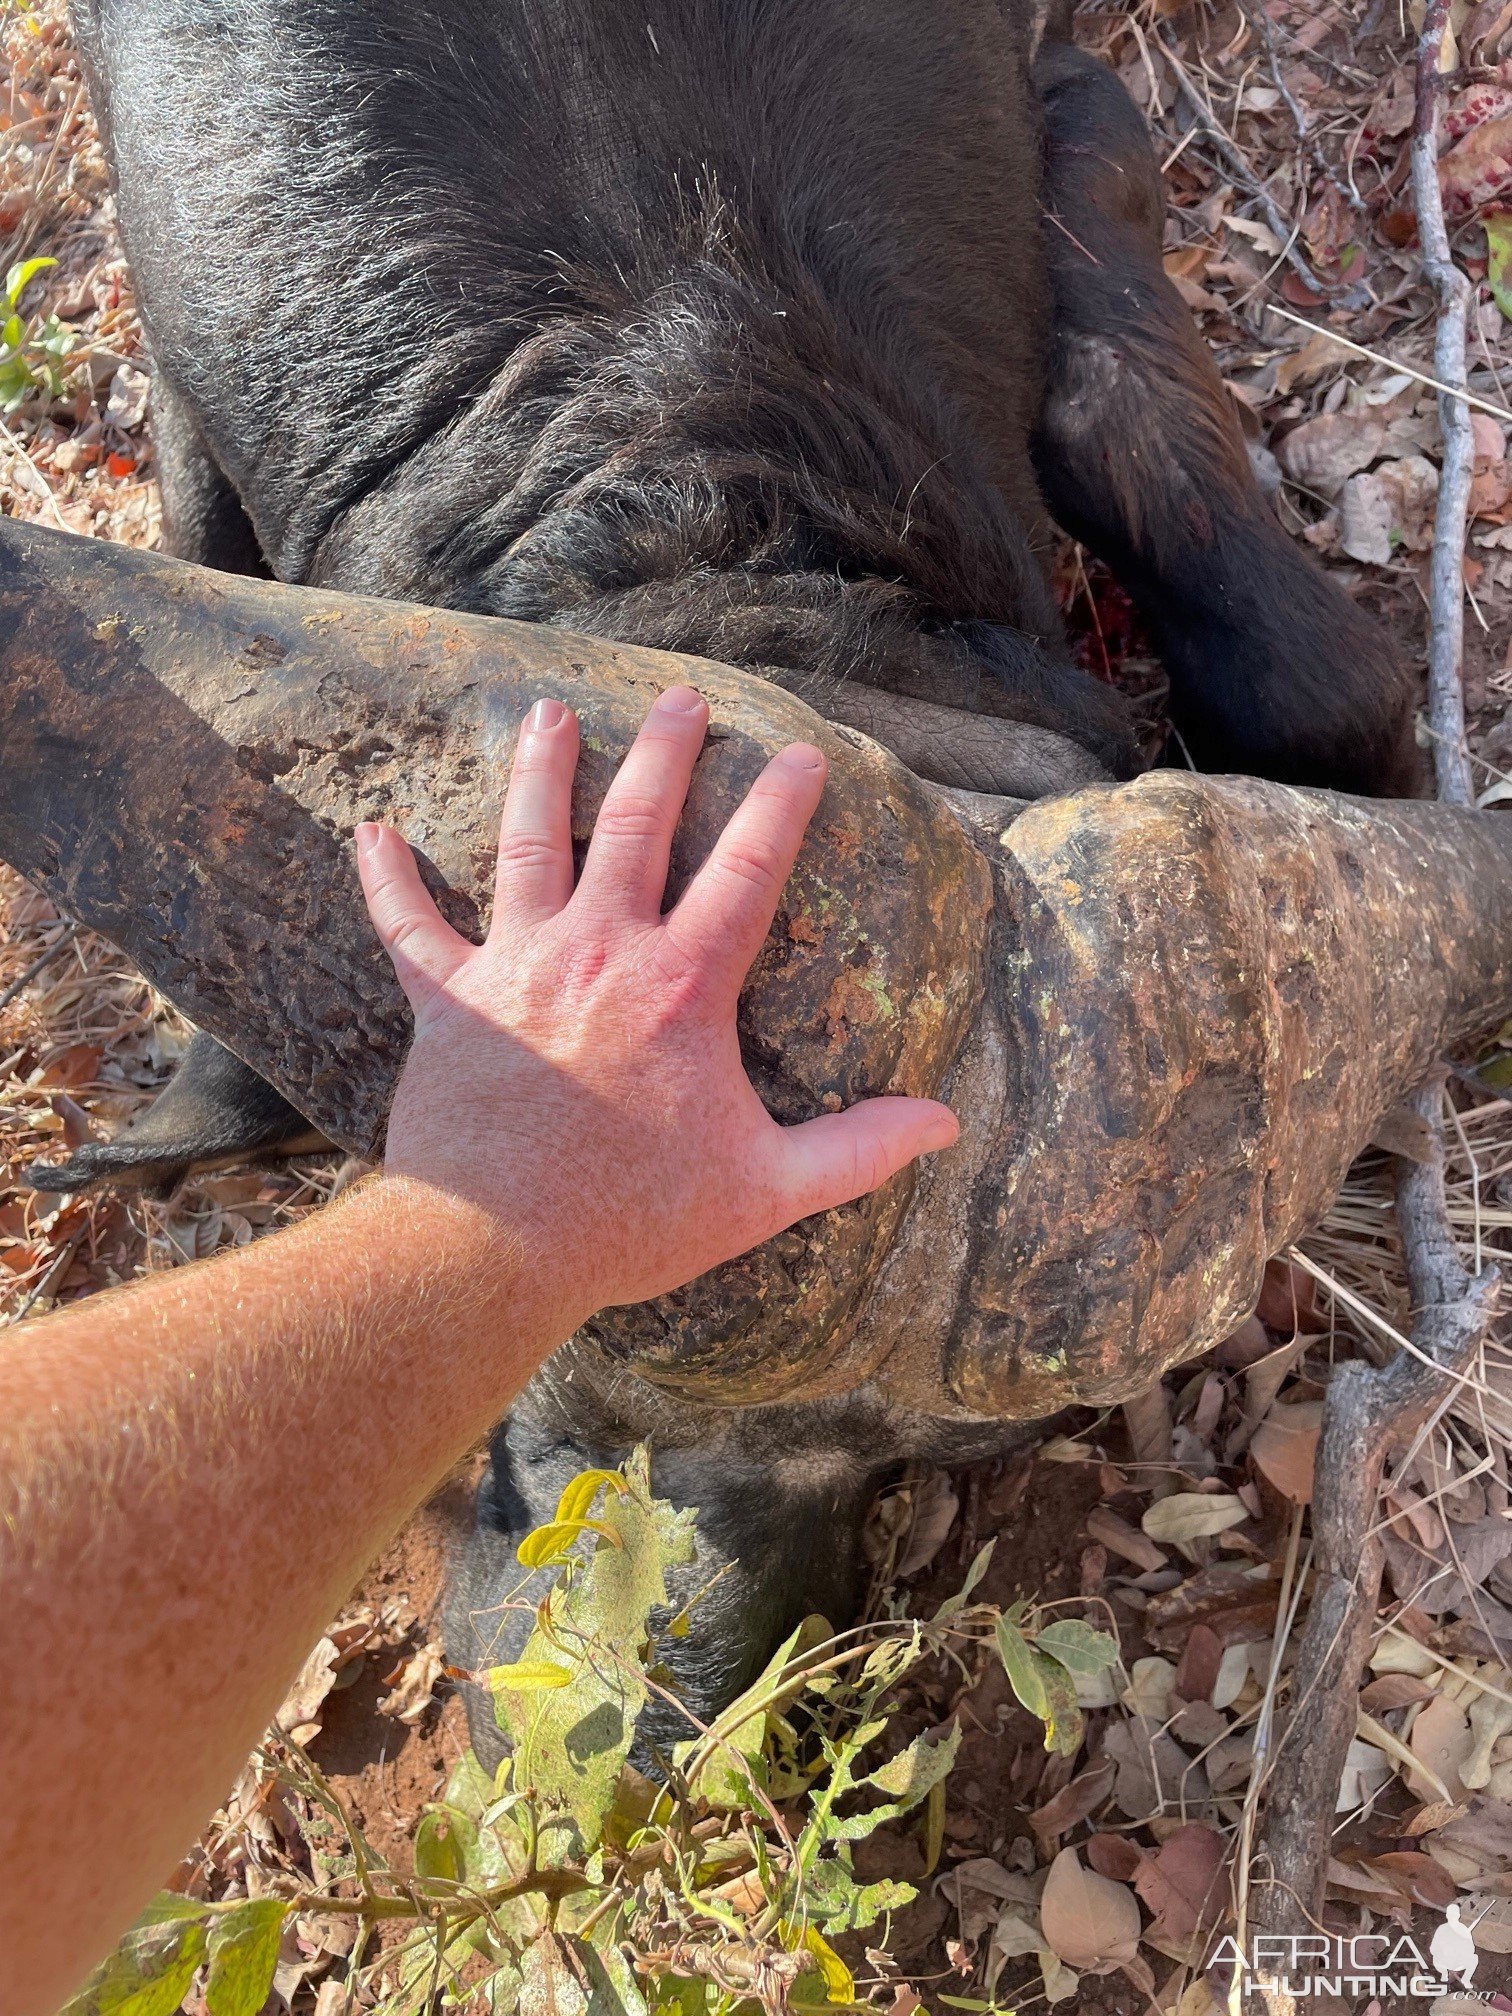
1237 166
1392 363
1369 1411
24 979
1446 617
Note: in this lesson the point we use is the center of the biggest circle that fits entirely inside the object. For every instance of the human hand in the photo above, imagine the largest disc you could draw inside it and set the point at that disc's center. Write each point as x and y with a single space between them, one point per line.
578 1076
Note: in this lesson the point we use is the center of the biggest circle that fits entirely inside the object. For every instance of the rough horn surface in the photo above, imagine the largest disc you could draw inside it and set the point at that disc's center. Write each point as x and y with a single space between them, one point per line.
1170 1012
186 753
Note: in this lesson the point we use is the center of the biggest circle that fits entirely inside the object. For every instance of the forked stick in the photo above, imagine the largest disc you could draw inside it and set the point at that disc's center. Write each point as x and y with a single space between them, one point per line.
1370 1410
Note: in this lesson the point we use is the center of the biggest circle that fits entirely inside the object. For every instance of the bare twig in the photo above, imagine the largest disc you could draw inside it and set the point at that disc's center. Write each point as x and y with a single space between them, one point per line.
1369 1410
1446 622
1237 166
64 939
1392 363
1256 14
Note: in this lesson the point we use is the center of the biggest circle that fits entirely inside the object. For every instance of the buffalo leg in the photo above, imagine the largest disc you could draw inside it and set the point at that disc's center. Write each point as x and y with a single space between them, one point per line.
1273 669
213 1114
203 517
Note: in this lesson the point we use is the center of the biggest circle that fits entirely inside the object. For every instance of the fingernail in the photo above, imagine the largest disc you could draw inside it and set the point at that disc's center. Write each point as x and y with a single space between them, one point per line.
546 713
366 836
681 700
803 756
941 1133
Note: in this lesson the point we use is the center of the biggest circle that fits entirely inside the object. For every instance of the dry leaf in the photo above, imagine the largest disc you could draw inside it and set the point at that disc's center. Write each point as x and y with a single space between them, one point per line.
1478 169
935 1506
1289 1300
1144 1756
1114 1855
300 1713
1418 1874
1120 1538
1492 1925
1201 1659
1233 1671
1235 1599
1073 1803
415 1685
1186 1886
982 1887
1250 1342
1197 1724
1318 354
1321 455
1193 1515
1396 1652
1090 1922
1060 1982
1285 1448
1394 1690
1490 1719
1366 1770
1365 521
1149 1690
1441 1739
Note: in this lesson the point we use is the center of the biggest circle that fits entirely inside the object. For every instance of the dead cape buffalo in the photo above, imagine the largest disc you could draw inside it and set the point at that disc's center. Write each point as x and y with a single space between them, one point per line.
760 329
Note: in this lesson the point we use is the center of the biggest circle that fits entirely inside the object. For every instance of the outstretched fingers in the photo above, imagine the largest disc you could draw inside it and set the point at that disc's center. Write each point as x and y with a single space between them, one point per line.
841 1156
423 947
728 907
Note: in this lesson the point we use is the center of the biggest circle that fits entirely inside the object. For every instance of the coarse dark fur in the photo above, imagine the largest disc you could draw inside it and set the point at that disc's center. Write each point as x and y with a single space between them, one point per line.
753 328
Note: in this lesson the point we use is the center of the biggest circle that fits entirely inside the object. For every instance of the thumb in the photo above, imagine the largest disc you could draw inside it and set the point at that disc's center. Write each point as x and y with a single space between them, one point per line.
423 947
844 1155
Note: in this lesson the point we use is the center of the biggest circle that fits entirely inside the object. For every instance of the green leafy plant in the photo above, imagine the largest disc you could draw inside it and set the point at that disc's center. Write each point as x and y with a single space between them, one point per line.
568 1882
1044 1657
33 355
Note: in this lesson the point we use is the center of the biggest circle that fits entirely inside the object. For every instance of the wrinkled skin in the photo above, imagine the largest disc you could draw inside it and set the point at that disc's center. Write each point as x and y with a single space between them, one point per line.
758 329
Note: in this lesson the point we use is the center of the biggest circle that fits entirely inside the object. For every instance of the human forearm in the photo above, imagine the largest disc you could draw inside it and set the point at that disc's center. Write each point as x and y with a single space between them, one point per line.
189 1492
199 1471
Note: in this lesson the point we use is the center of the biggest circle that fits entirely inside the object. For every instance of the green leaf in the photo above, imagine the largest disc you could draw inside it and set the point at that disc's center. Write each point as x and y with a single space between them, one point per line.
831 1893
1062 1717
1499 261
549 1546
444 1841
909 1778
1077 1646
576 1502
833 1976
953 1605
1024 1676
471 1790
150 1971
934 1828
526 1676
243 1953
571 1743
913 1774
728 1770
20 277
